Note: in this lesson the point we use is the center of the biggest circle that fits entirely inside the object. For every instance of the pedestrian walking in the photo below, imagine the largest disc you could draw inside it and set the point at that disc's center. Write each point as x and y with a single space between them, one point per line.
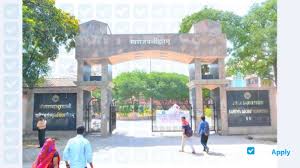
78 151
204 133
187 133
48 156
41 127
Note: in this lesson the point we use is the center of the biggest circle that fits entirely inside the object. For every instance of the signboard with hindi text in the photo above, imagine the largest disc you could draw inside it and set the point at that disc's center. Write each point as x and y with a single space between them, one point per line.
59 110
248 108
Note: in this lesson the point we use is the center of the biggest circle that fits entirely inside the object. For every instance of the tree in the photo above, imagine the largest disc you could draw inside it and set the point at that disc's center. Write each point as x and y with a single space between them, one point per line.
231 23
167 87
129 86
96 93
45 29
258 51
253 38
160 86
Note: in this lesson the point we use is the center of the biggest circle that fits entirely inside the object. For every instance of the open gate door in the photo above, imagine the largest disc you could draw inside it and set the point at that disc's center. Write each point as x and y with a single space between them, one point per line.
93 115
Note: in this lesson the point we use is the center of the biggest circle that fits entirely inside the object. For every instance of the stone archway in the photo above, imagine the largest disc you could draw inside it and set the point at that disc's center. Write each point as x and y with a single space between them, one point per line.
206 45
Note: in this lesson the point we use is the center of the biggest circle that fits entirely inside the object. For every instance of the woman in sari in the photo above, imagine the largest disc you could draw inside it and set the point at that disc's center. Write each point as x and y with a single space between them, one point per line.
48 156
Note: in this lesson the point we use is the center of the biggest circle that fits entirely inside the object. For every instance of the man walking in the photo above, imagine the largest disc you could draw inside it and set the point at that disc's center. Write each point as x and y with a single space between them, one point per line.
187 133
204 133
78 151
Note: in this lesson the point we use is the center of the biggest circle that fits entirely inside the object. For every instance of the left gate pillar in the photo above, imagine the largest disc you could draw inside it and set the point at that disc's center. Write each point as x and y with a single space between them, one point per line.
106 96
80 108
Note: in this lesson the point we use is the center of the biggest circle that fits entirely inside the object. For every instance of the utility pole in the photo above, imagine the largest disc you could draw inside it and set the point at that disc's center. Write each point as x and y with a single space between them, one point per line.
150 97
150 65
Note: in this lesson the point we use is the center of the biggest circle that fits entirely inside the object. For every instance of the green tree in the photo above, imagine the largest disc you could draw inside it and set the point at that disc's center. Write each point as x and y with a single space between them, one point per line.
253 38
129 86
157 85
257 53
96 93
206 93
231 23
167 87
45 29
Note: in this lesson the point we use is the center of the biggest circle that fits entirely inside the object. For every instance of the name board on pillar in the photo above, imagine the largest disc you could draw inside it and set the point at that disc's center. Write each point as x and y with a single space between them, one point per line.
59 110
248 108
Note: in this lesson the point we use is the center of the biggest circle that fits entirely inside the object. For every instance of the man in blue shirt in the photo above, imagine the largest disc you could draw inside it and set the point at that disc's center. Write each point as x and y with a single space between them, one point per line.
78 151
204 133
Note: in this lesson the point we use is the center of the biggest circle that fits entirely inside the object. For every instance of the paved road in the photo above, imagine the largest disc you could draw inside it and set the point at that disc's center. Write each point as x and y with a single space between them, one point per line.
134 145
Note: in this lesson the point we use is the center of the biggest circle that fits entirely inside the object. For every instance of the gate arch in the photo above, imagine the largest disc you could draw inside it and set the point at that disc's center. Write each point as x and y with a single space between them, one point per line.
205 45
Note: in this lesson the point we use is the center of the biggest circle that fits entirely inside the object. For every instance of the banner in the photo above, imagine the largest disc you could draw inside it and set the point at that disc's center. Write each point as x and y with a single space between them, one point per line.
170 120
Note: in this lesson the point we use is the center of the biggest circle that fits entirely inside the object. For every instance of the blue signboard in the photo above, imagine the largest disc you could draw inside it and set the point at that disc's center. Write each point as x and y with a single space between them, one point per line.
59 110
248 108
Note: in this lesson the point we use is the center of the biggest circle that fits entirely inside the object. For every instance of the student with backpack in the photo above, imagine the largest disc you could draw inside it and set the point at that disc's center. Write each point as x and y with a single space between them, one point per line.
187 133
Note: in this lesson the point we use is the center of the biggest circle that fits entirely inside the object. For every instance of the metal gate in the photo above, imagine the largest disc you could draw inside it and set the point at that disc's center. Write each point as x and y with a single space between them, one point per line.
113 117
212 113
93 115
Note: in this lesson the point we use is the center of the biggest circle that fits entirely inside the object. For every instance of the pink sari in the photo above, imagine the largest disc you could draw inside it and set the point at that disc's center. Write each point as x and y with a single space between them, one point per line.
45 157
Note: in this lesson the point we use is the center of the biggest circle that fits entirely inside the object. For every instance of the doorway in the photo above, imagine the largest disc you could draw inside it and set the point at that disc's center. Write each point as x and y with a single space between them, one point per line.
93 115
211 106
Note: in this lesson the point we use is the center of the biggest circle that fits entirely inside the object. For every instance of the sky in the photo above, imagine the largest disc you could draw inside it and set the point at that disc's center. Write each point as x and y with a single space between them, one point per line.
138 17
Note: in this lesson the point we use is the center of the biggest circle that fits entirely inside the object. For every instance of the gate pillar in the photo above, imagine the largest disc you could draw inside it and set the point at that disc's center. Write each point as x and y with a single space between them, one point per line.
80 108
223 109
199 105
106 96
106 100
196 90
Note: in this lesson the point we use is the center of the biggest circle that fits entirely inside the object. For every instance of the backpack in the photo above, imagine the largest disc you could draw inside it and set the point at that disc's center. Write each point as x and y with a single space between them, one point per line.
189 131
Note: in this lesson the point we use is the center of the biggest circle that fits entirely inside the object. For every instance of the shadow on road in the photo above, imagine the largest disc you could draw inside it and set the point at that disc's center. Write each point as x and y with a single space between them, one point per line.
215 154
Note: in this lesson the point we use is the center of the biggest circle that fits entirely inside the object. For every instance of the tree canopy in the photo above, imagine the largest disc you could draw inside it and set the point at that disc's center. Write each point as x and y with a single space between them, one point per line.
167 87
45 29
253 38
157 85
129 85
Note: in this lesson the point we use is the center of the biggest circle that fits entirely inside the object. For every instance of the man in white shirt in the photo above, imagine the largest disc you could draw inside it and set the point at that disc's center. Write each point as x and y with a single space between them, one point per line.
41 126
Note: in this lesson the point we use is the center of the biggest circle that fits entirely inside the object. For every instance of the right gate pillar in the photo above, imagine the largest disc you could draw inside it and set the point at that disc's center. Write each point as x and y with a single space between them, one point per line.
210 80
223 110
196 98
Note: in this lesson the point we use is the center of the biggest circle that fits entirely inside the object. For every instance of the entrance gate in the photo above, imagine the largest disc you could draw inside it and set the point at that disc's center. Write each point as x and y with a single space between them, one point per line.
93 115
205 45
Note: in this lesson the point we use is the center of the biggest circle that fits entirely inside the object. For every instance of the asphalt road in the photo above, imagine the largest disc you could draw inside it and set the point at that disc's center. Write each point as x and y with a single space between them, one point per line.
134 145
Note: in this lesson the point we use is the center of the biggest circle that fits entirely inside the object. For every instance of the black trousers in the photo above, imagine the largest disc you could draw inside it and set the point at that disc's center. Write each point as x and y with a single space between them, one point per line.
41 135
204 139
